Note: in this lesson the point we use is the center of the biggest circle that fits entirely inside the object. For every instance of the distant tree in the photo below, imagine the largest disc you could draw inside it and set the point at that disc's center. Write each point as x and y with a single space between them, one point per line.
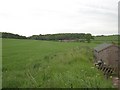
14 36
88 37
92 37
102 35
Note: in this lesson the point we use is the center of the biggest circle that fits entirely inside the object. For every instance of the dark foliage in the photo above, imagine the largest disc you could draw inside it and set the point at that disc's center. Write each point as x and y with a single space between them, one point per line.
55 37
63 36
14 36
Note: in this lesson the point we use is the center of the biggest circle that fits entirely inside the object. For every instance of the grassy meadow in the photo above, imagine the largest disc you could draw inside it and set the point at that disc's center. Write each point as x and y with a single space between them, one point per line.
49 64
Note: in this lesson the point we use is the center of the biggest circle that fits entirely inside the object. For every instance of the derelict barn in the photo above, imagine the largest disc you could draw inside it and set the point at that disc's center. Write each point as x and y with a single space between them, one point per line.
109 54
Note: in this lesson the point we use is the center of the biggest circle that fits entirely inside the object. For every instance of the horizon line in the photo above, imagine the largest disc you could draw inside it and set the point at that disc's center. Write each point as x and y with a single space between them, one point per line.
64 33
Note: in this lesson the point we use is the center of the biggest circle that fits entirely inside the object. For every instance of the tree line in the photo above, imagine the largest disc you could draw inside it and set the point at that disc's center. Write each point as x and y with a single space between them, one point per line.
11 35
63 36
55 37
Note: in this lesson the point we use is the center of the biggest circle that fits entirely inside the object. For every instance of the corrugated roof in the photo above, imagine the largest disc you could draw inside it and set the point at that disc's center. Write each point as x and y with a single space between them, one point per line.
102 46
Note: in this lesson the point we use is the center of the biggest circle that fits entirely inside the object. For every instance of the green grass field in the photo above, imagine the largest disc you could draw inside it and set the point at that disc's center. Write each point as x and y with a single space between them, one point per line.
107 38
48 64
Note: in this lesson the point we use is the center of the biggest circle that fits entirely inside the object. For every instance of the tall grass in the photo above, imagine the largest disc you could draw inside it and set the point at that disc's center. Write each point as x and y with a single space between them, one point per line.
44 64
73 69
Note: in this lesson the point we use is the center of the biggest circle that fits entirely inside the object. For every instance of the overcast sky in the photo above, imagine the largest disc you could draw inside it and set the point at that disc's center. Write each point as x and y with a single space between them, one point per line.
28 17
